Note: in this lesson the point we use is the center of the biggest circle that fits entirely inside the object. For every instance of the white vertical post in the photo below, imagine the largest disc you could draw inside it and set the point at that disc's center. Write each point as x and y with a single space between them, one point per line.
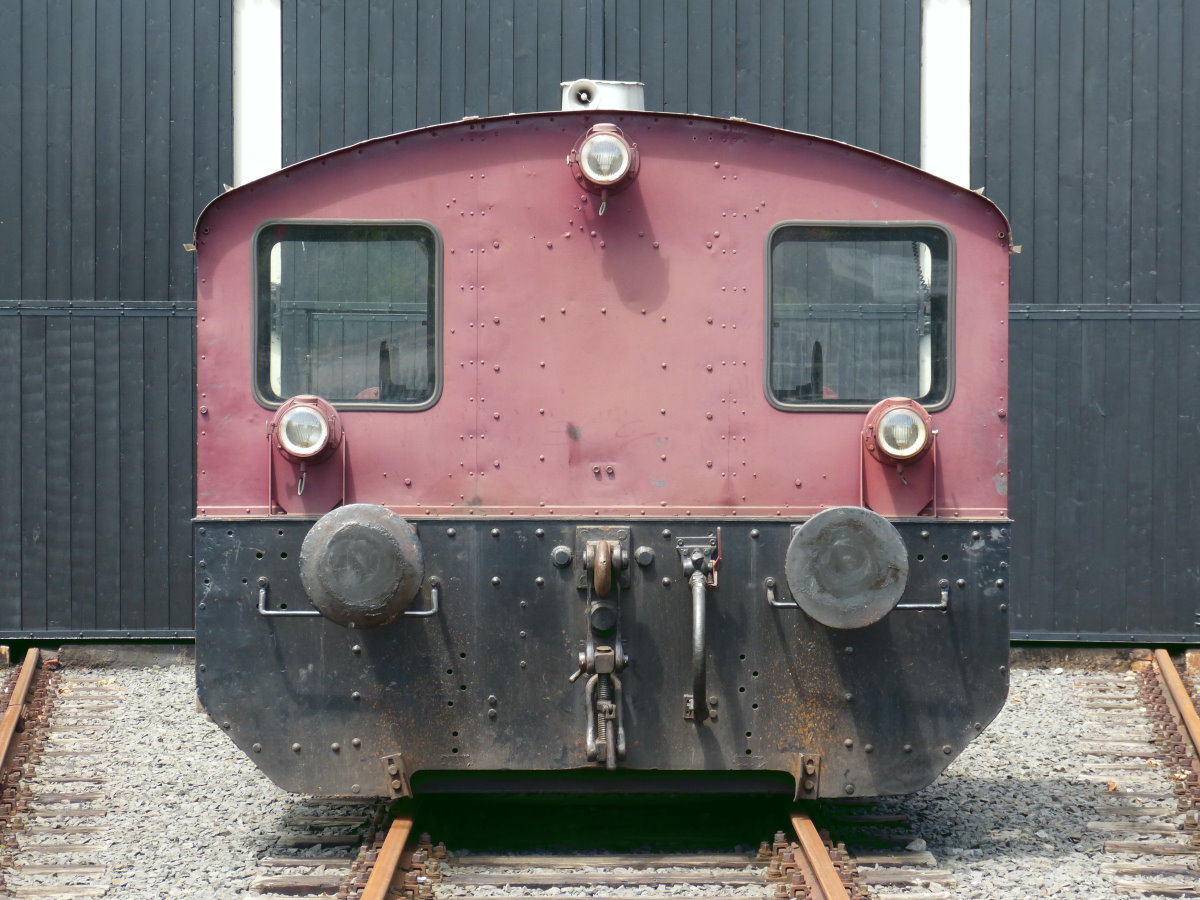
946 89
257 89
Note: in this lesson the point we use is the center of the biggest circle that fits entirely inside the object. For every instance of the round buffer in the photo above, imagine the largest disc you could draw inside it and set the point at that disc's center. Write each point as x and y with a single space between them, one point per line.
847 567
362 565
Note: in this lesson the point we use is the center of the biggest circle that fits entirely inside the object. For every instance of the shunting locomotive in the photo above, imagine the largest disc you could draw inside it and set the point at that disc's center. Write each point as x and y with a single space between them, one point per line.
602 449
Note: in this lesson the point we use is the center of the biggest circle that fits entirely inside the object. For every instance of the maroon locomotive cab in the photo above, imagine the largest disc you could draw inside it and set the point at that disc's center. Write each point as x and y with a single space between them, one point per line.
602 449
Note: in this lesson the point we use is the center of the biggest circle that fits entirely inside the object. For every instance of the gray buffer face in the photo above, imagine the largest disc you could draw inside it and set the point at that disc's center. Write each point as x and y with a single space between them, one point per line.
361 565
847 567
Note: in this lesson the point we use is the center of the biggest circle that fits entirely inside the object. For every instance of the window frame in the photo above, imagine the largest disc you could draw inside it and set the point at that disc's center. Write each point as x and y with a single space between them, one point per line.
951 311
437 317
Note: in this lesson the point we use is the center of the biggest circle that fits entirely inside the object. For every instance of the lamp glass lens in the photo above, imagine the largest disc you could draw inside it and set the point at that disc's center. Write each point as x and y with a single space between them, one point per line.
605 158
902 433
304 431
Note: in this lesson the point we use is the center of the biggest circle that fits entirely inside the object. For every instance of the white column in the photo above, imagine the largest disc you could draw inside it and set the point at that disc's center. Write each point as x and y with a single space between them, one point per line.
946 89
257 89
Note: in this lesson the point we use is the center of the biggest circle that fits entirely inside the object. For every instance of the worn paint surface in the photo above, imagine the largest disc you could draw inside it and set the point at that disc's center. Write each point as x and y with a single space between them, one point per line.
598 365
483 685
599 371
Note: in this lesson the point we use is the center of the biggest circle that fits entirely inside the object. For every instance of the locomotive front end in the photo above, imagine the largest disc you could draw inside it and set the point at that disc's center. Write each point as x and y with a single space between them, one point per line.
610 448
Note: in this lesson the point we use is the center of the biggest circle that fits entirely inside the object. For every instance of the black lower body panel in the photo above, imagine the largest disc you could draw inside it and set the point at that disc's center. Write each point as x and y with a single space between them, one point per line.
482 685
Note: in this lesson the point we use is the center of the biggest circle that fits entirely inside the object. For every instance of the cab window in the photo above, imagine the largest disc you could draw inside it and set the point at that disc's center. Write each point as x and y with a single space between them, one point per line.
858 313
347 312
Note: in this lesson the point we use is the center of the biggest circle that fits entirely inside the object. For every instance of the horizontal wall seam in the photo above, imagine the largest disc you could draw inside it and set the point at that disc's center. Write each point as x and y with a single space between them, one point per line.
1110 311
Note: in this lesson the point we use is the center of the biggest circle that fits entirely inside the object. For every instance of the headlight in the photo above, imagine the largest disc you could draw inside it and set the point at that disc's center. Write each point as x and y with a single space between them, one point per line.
307 429
897 430
302 432
604 158
902 434
603 161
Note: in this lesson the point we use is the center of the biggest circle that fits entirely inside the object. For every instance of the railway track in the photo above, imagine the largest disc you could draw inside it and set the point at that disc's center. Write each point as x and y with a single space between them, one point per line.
804 865
1149 729
55 811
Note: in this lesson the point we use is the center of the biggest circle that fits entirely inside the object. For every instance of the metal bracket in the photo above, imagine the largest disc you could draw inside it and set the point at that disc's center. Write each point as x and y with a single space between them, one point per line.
700 558
616 551
263 584
807 771
942 604
435 597
771 586
399 774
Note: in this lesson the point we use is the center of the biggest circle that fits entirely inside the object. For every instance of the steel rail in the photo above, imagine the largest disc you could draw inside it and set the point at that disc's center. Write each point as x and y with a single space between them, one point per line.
825 877
387 864
16 704
1180 697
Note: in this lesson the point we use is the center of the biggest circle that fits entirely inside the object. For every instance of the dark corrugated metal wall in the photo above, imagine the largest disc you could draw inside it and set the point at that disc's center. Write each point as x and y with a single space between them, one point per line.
1085 127
362 68
1086 130
117 128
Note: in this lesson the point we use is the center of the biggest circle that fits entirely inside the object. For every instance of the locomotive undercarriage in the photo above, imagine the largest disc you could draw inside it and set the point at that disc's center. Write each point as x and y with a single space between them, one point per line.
595 653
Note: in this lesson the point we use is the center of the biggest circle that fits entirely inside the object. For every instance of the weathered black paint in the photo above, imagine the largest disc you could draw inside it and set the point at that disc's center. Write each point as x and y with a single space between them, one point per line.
420 688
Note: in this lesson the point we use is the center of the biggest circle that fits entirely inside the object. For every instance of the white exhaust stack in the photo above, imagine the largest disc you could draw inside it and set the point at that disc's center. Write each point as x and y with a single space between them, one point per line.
583 93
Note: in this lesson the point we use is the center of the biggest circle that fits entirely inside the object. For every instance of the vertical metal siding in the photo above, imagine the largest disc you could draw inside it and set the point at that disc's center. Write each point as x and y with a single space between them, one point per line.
849 70
118 131
1085 128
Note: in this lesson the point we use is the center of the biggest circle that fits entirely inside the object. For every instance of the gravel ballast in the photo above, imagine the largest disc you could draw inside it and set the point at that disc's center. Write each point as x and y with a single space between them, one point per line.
189 816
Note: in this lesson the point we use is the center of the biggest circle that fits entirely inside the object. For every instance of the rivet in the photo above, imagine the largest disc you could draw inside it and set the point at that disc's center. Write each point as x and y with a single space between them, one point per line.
203 605
868 748
849 697
203 668
848 743
495 532
961 582
848 651
357 648
908 748
295 748
666 532
540 532
355 695
595 470
335 747
225 725
539 581
522 634
450 532
523 664
947 749
666 582
354 788
257 748
492 714
754 533
492 700
496 580
925 534
357 742
849 789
